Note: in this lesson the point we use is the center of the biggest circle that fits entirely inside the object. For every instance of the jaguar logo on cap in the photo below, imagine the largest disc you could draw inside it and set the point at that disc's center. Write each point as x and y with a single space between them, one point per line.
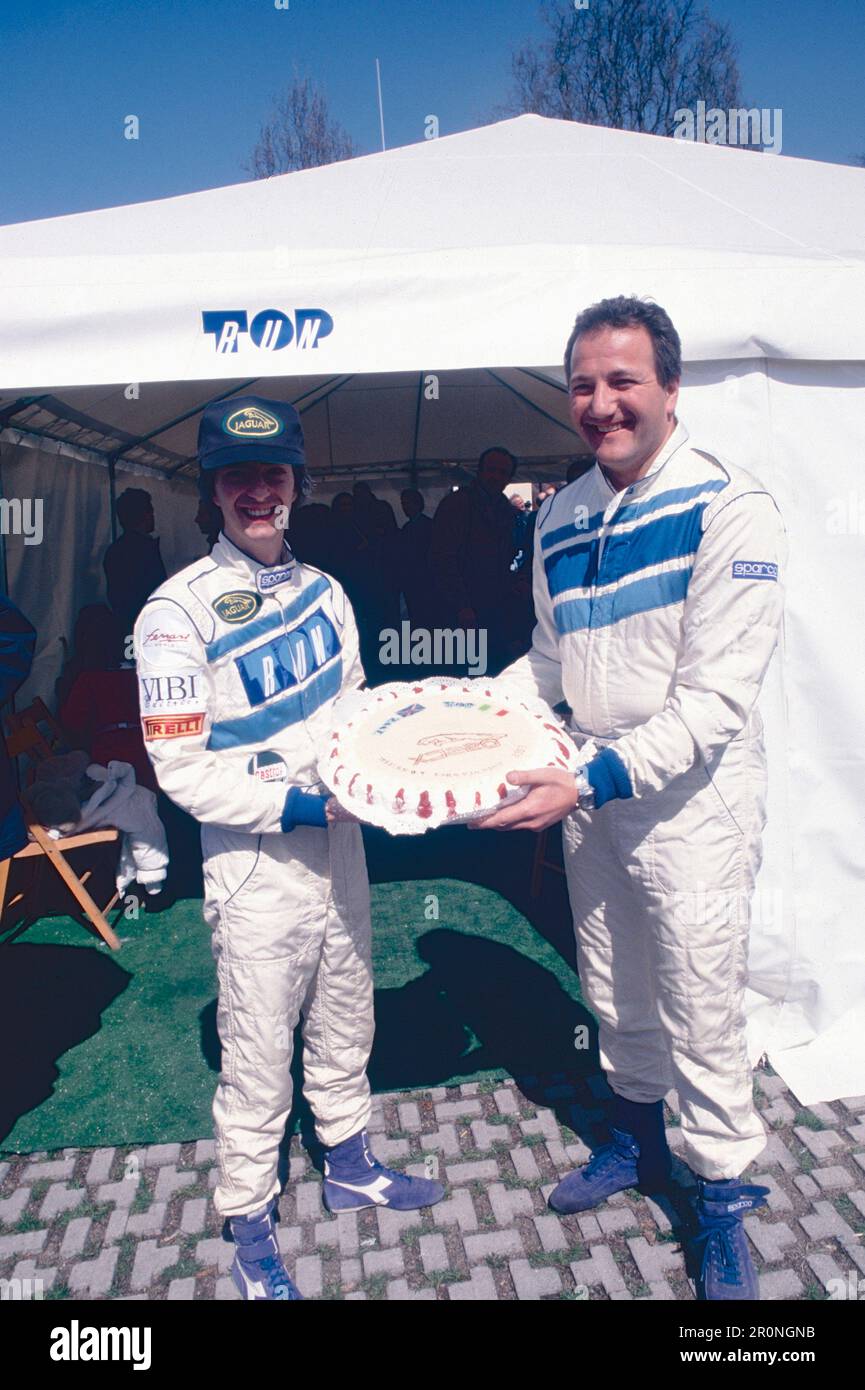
251 422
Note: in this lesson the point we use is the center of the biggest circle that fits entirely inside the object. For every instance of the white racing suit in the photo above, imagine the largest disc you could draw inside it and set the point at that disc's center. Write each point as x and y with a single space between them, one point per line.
658 609
239 665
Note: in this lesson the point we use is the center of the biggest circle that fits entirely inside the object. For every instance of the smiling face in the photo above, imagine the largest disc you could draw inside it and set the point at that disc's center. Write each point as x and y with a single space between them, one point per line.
617 403
255 500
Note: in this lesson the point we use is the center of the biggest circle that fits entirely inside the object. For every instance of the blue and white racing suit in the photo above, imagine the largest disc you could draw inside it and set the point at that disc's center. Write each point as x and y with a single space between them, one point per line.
658 609
239 665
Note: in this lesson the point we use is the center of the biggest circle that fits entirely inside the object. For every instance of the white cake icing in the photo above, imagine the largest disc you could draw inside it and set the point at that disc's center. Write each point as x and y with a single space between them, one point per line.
411 756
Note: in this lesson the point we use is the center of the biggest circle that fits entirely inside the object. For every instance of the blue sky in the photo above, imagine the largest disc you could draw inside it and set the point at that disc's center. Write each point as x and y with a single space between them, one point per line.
201 75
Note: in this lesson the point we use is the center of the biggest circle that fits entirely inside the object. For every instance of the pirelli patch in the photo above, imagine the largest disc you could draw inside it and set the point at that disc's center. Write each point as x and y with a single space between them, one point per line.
172 725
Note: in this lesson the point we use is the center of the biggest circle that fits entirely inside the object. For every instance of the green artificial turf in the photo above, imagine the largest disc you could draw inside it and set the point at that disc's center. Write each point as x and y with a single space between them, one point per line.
116 1048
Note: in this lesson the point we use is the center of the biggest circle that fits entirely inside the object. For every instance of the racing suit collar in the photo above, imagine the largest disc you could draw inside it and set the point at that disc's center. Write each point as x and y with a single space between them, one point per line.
676 440
266 578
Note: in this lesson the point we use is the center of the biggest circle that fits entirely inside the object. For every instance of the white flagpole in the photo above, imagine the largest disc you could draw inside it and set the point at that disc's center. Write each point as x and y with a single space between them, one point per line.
380 106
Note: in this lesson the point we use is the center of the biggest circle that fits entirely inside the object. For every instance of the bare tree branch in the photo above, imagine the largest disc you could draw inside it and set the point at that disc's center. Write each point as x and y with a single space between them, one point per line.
630 64
299 134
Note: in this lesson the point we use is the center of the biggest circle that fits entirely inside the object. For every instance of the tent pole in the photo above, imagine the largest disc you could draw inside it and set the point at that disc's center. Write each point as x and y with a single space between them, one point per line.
112 494
525 400
312 404
416 431
545 380
179 419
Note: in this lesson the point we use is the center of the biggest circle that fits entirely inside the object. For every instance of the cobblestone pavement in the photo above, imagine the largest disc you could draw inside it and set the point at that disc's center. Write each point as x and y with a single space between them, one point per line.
140 1223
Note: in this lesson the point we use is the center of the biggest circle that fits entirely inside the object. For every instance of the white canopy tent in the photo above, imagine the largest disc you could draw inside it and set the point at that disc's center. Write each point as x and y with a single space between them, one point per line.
464 259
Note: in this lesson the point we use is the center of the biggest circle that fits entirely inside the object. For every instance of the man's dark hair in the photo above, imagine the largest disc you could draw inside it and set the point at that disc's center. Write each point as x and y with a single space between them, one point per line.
132 505
625 312
414 494
302 485
498 449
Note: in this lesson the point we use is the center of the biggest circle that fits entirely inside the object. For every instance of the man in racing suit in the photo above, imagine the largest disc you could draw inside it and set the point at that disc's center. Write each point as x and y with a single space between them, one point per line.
240 657
658 597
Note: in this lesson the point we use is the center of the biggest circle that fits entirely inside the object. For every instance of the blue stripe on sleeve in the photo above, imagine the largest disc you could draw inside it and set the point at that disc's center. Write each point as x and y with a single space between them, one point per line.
303 808
608 777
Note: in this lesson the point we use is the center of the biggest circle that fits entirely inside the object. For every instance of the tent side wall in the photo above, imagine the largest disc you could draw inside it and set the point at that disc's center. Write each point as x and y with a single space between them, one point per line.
53 575
800 427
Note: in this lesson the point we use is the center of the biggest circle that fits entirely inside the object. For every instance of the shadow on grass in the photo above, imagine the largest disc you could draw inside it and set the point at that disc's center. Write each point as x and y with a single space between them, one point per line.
51 999
480 1006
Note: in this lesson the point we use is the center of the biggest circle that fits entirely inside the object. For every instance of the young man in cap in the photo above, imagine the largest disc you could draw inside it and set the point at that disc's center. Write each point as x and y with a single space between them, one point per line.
658 593
240 658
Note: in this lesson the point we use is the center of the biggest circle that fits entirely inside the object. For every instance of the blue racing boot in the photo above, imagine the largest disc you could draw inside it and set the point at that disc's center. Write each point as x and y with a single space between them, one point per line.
354 1178
258 1271
726 1270
611 1168
637 1157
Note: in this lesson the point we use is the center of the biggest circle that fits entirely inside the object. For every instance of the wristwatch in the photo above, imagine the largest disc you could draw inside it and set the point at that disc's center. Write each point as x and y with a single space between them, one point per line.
585 789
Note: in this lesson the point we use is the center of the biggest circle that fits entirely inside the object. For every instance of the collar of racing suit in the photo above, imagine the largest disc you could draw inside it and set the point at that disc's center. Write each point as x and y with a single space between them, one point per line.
676 440
266 578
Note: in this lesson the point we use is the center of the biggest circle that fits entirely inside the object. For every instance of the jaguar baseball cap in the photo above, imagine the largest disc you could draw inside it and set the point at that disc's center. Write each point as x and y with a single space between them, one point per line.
249 429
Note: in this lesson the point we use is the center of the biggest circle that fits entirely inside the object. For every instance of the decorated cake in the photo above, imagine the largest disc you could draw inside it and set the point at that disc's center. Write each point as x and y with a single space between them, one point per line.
411 756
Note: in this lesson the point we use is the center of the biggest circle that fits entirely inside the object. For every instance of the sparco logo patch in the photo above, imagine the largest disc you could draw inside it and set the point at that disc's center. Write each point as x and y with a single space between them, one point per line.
755 569
237 607
251 422
271 579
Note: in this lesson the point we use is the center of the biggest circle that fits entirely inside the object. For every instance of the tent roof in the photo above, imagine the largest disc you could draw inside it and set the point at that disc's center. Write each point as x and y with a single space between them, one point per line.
352 423
517 182
469 250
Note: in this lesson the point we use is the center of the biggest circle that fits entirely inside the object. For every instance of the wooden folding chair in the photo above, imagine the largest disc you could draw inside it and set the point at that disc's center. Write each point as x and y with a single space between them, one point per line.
35 735
45 739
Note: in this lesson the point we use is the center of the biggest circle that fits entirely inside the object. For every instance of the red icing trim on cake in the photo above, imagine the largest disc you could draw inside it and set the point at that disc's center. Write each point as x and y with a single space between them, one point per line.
351 783
451 803
424 809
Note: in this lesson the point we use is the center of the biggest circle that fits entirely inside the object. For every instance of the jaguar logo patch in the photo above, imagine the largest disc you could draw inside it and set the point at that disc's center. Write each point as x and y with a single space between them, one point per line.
251 422
238 606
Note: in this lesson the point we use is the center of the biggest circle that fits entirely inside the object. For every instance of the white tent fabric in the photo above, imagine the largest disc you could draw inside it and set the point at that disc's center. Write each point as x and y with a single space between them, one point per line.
466 254
466 251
